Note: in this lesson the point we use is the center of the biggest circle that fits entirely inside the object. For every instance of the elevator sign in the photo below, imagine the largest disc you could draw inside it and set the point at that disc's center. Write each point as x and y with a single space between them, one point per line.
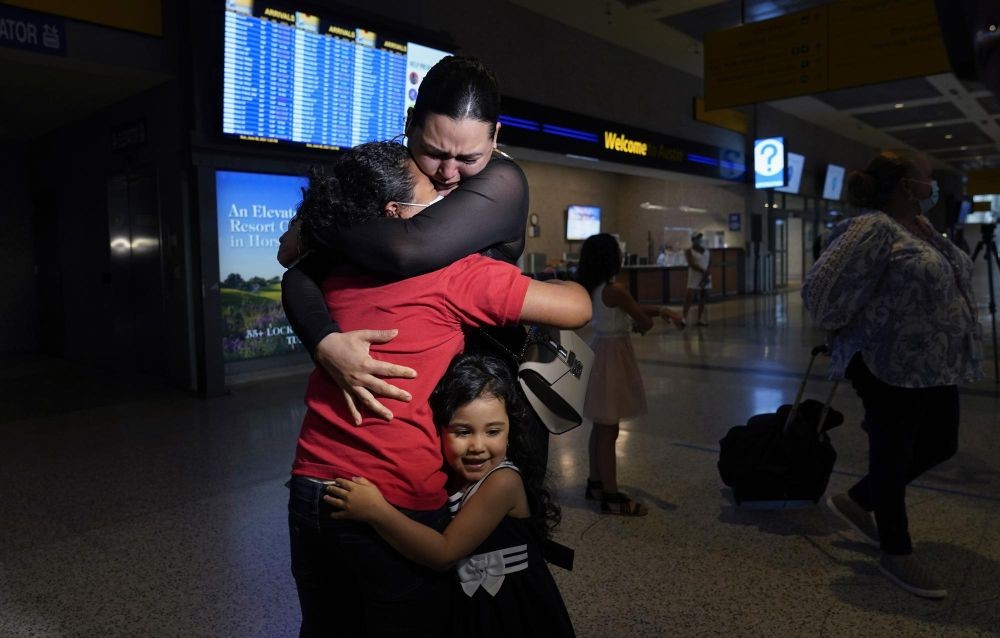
769 162
32 31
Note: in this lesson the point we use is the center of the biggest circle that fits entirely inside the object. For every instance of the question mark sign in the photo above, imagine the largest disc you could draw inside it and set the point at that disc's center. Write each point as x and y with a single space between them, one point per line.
769 157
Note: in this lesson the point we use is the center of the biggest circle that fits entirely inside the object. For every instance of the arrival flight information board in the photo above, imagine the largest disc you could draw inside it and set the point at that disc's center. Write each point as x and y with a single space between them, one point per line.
293 77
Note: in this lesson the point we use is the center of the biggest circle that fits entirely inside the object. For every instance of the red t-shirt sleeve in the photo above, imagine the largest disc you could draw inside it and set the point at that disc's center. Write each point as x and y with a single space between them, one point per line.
486 292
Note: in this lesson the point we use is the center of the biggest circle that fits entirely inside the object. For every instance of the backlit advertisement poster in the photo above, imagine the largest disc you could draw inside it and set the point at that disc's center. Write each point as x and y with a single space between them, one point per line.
253 210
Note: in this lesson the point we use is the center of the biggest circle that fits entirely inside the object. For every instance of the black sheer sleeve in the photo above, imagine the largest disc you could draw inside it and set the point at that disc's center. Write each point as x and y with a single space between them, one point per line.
303 301
487 213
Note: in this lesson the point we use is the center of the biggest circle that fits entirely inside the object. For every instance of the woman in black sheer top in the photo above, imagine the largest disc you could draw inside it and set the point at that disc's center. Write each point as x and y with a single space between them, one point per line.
452 132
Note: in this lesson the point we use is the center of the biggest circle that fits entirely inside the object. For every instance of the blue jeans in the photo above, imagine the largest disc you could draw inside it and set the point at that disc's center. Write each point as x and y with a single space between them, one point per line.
351 582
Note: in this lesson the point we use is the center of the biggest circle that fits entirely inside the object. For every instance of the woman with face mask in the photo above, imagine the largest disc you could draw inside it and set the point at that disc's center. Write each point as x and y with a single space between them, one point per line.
897 297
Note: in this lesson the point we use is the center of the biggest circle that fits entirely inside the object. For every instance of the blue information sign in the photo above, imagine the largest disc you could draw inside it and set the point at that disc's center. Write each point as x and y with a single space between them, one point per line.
769 162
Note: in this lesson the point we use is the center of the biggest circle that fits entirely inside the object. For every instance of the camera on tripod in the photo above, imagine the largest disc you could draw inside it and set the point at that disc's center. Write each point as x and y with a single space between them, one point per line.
987 230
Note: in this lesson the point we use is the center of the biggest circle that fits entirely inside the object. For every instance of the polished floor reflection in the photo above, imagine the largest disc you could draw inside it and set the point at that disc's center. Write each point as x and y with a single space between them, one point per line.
132 510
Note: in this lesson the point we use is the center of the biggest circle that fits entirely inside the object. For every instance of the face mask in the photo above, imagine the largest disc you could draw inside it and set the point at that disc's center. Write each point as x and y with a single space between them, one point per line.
436 200
930 202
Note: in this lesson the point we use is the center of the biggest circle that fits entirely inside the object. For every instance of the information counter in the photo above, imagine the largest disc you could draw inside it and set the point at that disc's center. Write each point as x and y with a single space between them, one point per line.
668 284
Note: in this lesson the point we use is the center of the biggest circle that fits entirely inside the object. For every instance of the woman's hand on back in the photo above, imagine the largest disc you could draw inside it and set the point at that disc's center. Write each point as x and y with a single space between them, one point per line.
346 358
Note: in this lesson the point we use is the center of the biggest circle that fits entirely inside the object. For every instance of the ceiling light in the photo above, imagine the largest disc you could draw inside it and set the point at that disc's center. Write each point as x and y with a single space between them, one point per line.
964 148
948 136
650 206
929 124
899 105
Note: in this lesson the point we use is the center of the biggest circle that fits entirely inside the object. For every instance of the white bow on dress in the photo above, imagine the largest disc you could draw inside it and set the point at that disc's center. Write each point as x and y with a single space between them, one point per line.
488 570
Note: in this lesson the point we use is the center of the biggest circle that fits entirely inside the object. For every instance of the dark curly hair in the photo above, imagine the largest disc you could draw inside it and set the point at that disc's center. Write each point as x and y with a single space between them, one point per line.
459 87
600 261
356 186
475 375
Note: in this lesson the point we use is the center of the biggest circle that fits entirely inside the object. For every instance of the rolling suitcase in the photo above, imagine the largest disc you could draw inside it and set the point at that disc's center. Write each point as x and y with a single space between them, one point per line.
784 456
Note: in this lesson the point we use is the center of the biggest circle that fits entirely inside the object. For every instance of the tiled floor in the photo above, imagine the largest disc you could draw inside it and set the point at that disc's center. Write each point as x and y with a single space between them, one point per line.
132 510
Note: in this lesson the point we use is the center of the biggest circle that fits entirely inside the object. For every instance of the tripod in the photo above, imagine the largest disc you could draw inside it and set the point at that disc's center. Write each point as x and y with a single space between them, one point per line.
989 248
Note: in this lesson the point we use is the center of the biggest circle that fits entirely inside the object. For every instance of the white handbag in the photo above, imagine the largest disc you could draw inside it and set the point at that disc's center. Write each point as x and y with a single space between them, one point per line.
554 371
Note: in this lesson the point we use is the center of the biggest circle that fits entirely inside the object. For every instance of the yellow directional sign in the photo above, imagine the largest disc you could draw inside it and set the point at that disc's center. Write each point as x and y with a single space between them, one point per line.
778 58
726 118
983 182
882 40
835 46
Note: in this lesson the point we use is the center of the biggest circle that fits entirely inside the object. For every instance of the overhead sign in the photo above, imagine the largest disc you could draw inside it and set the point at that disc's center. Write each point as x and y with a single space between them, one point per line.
142 16
793 174
546 129
886 40
835 46
769 162
768 60
983 182
723 118
32 31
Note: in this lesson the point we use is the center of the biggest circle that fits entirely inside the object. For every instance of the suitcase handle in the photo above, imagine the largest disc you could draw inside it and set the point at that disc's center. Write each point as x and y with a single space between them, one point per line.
816 351
820 349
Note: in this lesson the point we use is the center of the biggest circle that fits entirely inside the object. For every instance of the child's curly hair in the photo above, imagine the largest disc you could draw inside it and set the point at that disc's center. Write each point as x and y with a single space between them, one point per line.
356 186
475 375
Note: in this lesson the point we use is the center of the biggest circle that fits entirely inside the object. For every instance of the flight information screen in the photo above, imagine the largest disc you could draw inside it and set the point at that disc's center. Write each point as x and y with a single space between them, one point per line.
294 77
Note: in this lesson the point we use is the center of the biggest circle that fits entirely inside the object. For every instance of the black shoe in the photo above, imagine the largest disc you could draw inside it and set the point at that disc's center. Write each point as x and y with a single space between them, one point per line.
594 490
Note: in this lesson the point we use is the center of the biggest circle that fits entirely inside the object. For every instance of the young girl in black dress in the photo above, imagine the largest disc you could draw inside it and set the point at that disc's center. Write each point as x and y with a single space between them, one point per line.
501 511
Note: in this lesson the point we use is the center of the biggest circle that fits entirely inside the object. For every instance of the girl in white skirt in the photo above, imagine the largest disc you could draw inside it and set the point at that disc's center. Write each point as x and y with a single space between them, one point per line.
615 391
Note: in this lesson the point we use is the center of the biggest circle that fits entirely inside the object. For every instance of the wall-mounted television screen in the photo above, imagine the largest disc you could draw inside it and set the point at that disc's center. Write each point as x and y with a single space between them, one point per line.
793 172
834 183
252 211
317 81
582 222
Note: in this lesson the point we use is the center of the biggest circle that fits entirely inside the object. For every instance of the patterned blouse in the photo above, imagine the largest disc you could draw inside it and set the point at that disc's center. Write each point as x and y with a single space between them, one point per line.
904 303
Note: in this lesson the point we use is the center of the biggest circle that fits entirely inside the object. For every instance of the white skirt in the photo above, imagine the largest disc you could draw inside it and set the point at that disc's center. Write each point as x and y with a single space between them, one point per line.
615 391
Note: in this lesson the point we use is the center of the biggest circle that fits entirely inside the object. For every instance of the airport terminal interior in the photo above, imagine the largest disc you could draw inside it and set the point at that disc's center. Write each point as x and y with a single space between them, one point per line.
152 389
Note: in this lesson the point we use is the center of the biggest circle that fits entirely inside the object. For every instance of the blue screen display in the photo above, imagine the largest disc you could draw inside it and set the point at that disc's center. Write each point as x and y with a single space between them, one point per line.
582 222
769 162
292 77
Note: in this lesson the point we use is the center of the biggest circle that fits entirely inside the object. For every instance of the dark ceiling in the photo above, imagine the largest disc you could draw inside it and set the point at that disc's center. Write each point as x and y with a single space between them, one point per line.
958 126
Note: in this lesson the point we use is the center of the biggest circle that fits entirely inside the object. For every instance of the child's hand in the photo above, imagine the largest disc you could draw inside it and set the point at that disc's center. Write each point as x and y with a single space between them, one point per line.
356 499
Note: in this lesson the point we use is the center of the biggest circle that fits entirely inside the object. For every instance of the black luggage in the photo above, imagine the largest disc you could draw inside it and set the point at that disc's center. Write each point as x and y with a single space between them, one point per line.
785 455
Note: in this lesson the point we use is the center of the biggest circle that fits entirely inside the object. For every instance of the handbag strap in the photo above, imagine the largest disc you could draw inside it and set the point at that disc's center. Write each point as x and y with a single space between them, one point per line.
518 358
